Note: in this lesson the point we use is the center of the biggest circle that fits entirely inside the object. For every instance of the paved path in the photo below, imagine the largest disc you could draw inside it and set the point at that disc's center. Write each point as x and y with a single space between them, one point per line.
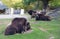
12 16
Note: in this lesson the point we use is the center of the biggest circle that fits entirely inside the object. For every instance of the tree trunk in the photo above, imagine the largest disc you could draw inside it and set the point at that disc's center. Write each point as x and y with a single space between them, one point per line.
45 5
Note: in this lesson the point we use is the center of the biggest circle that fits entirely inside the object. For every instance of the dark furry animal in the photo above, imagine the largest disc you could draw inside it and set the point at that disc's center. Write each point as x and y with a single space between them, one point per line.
30 12
42 17
18 25
22 24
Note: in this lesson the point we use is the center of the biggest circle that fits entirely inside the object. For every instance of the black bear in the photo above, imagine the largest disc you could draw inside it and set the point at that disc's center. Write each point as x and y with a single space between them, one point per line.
30 12
17 26
42 17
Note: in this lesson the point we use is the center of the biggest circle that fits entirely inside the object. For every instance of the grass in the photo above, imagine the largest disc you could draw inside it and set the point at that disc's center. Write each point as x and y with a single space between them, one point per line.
52 28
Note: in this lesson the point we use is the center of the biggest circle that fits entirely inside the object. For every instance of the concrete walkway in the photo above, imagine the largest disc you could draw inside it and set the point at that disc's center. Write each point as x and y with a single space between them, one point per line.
12 16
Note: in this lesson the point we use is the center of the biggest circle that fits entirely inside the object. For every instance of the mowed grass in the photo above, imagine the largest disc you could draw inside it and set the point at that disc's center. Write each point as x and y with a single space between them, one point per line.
50 28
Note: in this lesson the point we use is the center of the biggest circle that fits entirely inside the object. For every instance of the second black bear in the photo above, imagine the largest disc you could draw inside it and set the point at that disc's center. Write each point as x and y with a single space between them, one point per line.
42 17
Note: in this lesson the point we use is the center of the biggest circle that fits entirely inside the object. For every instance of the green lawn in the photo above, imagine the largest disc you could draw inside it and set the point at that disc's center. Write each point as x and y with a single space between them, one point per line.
49 29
